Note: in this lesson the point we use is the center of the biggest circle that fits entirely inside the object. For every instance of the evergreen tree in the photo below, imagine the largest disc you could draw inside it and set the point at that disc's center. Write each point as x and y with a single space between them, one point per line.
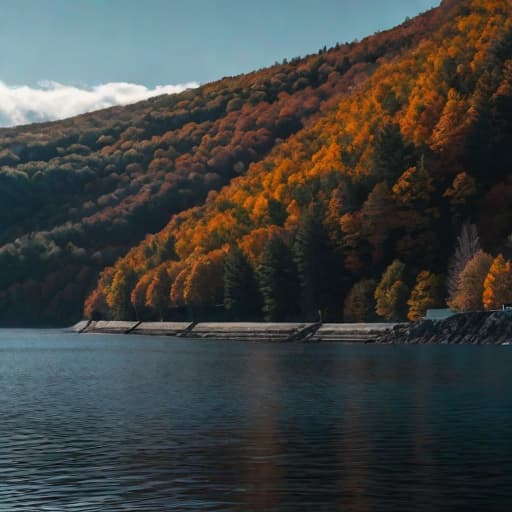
316 266
277 281
392 155
241 294
392 292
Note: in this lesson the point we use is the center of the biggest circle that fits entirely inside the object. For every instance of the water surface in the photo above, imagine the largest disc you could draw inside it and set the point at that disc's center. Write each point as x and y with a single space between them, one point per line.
130 423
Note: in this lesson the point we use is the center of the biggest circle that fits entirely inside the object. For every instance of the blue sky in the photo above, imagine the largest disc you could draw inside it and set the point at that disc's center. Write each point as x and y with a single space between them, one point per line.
86 43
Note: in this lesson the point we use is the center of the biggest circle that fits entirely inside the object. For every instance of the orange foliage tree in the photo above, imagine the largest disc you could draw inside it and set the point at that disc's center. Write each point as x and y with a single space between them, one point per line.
498 284
470 284
204 285
426 294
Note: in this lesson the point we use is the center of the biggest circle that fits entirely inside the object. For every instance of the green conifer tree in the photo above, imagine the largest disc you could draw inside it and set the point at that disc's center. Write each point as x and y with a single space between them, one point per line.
392 155
241 294
277 281
313 257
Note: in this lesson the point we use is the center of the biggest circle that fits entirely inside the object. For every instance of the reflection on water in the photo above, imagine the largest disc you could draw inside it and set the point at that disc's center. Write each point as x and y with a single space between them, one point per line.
145 424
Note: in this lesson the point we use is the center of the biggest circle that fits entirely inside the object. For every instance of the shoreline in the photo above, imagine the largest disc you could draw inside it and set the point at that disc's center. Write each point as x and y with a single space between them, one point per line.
476 328
277 332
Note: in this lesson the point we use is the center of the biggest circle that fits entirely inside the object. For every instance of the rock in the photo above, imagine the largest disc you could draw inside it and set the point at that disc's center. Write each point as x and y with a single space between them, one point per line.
469 328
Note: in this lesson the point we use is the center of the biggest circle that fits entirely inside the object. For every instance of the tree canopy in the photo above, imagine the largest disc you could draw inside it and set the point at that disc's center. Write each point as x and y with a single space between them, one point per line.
322 172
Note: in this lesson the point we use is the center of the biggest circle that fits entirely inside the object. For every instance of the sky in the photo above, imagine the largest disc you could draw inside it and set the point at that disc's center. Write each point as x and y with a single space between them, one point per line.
64 57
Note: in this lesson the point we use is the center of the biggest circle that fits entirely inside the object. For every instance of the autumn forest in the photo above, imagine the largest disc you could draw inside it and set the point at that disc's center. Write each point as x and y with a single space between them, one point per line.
369 181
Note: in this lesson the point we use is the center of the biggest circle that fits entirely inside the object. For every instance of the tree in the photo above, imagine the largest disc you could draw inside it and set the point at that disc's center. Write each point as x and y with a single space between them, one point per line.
241 294
138 296
392 292
470 285
498 284
461 193
277 281
95 307
204 285
468 244
118 297
158 292
341 202
166 248
455 123
356 249
428 293
414 186
360 302
376 220
316 266
177 294
391 154
496 215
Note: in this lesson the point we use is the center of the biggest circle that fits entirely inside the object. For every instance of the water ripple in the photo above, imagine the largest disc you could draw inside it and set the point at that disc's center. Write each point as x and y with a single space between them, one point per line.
114 423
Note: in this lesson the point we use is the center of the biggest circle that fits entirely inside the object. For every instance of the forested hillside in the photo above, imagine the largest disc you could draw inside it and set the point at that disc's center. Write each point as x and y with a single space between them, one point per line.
370 179
397 197
75 195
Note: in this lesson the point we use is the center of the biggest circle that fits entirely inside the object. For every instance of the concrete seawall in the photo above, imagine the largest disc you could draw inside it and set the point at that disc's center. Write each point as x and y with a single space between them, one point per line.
243 331
351 333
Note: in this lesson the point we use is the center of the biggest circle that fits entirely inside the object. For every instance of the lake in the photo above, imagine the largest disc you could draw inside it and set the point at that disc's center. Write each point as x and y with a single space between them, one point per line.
128 423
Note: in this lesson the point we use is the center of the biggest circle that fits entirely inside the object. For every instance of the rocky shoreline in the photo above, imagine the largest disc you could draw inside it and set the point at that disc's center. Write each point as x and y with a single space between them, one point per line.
482 328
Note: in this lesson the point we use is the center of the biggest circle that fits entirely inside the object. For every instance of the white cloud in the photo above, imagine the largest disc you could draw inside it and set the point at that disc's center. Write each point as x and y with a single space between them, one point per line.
51 100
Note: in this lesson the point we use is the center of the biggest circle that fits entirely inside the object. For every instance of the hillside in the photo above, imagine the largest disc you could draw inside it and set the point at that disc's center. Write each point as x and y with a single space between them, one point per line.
75 195
373 191
274 194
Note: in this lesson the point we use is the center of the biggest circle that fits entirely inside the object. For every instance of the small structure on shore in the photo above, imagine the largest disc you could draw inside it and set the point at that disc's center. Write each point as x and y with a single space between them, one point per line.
439 314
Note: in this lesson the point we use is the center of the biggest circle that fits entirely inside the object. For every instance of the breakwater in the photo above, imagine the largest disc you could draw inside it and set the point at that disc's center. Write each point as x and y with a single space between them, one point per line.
493 327
243 331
